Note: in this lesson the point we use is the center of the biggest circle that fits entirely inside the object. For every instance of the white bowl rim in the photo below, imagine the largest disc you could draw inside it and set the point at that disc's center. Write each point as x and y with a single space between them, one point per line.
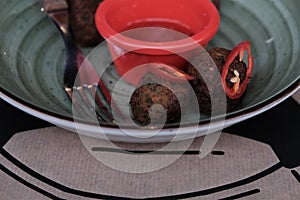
165 135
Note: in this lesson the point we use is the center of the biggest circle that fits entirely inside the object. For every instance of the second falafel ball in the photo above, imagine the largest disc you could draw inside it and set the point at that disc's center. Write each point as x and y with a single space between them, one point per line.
81 16
202 90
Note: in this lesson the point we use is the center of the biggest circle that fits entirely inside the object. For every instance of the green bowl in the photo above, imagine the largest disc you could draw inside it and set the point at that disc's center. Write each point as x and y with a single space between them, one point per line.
32 58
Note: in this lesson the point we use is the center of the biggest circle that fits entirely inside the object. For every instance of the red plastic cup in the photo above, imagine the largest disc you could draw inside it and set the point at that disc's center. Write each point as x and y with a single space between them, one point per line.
139 32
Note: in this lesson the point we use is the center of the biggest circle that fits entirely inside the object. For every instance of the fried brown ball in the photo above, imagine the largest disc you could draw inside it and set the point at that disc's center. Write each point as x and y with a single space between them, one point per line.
217 3
203 90
82 22
168 95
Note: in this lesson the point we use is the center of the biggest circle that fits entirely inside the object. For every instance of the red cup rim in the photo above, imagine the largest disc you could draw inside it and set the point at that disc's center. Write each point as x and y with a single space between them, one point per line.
156 48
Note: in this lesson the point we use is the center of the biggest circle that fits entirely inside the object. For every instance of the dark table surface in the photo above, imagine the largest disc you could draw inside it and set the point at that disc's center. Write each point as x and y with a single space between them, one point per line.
278 127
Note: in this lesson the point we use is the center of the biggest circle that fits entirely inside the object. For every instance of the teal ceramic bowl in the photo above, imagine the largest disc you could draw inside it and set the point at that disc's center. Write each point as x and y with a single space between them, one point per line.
32 57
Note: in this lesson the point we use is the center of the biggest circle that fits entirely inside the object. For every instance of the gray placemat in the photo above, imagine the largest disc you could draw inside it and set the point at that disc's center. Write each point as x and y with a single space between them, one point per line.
237 167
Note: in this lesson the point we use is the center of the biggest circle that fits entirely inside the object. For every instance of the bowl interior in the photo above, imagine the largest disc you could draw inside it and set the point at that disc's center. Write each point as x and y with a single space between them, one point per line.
32 52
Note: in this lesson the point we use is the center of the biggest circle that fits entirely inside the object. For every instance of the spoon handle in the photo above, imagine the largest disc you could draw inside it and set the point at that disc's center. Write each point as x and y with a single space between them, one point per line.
58 12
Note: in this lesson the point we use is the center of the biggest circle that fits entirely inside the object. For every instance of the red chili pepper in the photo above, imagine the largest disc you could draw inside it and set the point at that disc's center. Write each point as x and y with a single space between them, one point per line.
168 72
238 88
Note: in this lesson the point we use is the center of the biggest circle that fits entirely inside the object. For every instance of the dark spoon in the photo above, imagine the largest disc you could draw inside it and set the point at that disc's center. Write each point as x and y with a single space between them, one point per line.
57 10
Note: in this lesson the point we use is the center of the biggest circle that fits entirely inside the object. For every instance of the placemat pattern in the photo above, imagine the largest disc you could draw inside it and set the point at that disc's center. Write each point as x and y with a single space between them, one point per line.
53 163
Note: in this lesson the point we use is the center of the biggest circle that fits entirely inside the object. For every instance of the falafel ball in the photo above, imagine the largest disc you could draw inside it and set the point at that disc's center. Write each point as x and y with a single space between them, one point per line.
169 95
219 56
217 3
82 22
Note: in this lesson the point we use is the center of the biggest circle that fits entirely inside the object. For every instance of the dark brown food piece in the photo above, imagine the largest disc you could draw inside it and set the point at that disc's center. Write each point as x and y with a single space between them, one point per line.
153 93
82 22
217 3
200 87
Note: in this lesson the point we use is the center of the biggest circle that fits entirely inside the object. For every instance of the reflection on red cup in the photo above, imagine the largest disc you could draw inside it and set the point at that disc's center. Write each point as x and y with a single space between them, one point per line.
154 31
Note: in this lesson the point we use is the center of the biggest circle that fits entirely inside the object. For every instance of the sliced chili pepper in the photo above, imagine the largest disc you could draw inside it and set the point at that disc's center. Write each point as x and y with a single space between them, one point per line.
238 88
168 73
